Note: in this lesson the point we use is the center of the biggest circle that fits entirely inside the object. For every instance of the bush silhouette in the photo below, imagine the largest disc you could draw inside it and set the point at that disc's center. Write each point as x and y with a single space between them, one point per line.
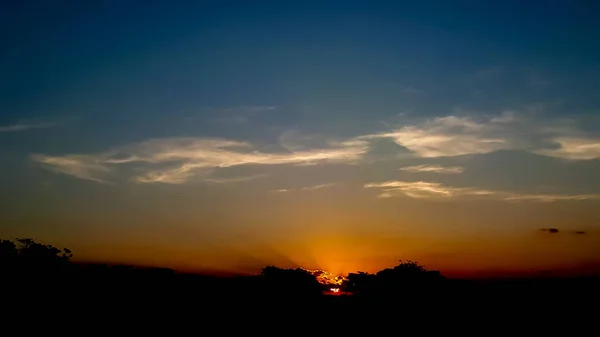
27 255
290 281
391 281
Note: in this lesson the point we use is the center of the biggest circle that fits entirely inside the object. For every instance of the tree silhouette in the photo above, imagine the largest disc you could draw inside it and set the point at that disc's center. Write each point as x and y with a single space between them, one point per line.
8 250
35 251
27 255
399 279
359 282
291 281
404 272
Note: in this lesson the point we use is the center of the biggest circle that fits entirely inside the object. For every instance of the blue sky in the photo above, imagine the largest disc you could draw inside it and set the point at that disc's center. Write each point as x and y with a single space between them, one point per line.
111 111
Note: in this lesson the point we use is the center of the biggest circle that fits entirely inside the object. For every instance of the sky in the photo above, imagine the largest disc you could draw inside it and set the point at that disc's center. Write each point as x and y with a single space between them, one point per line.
340 135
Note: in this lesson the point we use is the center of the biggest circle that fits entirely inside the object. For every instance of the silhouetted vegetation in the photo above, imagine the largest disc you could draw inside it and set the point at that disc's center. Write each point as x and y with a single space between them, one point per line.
29 255
35 273
291 281
392 281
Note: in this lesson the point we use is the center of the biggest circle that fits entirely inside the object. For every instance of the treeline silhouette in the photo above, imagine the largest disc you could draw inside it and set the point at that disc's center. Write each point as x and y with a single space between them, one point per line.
24 259
393 281
37 273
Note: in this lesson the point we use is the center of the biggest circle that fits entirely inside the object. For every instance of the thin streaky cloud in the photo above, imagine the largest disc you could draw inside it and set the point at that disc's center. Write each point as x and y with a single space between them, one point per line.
25 127
446 137
574 148
235 179
438 191
451 136
177 160
316 187
433 169
307 188
185 158
81 167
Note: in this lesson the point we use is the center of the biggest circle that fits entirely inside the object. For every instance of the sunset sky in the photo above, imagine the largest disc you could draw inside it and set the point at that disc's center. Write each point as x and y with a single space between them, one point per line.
341 135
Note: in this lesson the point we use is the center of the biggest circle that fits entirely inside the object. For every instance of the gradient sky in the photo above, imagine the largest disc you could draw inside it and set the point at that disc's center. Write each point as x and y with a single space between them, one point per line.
343 135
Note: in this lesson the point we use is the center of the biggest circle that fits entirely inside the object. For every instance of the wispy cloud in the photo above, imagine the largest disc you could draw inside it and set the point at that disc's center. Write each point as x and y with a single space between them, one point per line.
438 191
556 231
177 160
235 179
463 135
25 126
306 188
433 169
79 166
574 148
316 187
447 136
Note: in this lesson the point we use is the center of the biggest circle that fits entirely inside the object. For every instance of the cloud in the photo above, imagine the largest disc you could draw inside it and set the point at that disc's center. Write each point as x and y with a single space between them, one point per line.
556 231
177 160
433 168
294 140
257 108
235 179
574 148
511 130
447 136
438 191
79 166
25 127
316 187
306 188
423 190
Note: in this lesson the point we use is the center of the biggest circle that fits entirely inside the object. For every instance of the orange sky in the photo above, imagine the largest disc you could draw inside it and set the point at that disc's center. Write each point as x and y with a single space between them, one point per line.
341 229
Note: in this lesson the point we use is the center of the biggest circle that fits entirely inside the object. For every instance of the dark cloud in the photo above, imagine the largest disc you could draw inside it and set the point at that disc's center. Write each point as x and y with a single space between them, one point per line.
555 230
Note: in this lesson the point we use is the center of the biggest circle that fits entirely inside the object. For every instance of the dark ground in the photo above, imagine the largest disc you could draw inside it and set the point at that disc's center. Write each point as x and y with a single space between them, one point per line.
97 297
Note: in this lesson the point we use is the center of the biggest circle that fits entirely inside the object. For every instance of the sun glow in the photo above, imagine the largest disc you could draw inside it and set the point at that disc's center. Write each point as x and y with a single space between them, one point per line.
325 277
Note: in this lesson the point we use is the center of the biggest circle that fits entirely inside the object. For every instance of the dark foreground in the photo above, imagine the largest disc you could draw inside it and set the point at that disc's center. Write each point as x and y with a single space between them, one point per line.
144 300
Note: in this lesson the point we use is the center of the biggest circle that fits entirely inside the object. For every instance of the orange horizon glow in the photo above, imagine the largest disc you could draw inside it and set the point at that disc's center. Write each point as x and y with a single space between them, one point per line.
329 278
532 253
